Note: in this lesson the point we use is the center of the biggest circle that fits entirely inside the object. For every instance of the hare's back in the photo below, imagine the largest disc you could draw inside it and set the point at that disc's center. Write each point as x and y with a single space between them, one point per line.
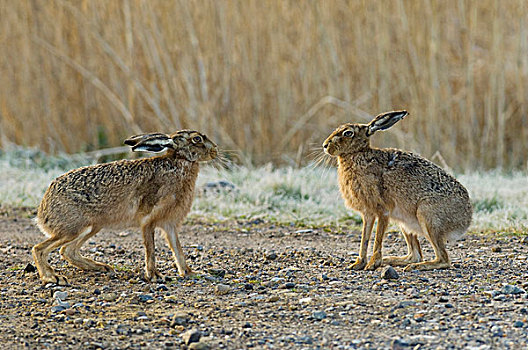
416 177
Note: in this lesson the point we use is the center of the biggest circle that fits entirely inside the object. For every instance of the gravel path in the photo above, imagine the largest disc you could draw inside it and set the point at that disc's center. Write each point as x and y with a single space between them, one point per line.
264 286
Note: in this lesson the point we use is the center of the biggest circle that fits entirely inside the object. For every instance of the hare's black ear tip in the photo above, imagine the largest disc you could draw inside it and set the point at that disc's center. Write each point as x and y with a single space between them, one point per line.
128 142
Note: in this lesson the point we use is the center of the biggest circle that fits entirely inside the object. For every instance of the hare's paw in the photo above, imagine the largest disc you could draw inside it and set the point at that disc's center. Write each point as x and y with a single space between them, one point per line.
427 265
373 264
188 273
57 279
398 260
358 265
154 276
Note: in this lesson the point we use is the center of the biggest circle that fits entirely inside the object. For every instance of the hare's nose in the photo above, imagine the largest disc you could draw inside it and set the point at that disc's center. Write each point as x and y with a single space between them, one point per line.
325 145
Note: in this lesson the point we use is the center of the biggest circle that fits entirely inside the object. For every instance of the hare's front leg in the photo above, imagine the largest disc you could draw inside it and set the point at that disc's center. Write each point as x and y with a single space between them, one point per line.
151 273
368 223
376 258
174 243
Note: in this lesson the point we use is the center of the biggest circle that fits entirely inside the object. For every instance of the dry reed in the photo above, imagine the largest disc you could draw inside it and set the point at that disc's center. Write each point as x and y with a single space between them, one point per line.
268 78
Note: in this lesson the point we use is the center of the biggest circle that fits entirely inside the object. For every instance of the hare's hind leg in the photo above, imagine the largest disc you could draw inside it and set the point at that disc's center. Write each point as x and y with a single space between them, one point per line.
414 252
71 252
40 255
441 260
174 243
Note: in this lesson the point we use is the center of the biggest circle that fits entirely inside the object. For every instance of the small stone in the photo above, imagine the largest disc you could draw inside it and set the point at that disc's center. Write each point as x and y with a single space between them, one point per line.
518 324
449 306
398 344
144 298
524 240
248 286
199 346
110 297
306 300
217 272
496 249
324 277
70 312
222 289
510 289
271 256
443 299
97 291
60 295
191 336
162 288
273 298
180 319
58 308
29 268
247 325
419 317
319 315
389 273
64 304
304 231
288 285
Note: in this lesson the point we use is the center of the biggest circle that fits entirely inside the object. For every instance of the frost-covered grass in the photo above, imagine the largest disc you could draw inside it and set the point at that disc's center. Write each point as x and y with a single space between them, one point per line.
306 196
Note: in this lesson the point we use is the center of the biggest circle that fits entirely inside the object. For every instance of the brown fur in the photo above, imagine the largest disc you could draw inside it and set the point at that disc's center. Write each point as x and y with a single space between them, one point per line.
390 184
149 193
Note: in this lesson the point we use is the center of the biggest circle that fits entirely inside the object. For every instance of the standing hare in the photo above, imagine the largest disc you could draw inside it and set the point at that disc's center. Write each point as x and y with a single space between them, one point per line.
149 193
393 184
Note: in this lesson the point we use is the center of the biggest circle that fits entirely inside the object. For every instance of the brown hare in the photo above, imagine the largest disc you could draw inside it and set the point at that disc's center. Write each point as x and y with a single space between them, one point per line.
149 193
390 184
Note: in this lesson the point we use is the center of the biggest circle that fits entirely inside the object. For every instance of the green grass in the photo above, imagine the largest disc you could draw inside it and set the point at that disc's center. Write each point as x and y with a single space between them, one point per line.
303 197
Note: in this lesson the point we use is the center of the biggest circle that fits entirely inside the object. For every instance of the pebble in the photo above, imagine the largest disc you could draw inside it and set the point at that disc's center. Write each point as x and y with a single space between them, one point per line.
144 297
319 315
273 298
222 289
524 240
110 297
162 288
518 324
510 289
217 272
271 256
305 300
60 295
57 308
389 273
180 319
398 344
199 346
288 285
496 249
30 268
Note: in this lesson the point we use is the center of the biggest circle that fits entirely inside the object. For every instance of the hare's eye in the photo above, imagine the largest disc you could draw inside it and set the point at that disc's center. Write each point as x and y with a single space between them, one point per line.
348 133
196 139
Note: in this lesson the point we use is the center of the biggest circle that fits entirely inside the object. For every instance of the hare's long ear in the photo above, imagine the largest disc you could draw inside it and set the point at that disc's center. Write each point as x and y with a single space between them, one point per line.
155 142
385 120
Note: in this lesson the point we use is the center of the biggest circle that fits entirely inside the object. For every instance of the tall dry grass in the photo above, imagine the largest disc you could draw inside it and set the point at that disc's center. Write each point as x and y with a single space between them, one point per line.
268 78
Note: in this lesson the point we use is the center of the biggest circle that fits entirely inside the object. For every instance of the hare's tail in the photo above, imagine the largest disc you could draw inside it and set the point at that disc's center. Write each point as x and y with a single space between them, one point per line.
454 236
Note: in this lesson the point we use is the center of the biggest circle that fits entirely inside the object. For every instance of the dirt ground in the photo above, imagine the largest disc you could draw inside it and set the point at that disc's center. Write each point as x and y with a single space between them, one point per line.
263 286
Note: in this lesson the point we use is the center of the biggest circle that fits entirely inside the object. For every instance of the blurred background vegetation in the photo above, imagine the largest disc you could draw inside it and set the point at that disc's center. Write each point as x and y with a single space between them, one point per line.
268 79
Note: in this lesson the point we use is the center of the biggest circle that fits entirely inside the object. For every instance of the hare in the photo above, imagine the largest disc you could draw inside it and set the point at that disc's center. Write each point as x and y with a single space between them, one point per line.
391 184
149 193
